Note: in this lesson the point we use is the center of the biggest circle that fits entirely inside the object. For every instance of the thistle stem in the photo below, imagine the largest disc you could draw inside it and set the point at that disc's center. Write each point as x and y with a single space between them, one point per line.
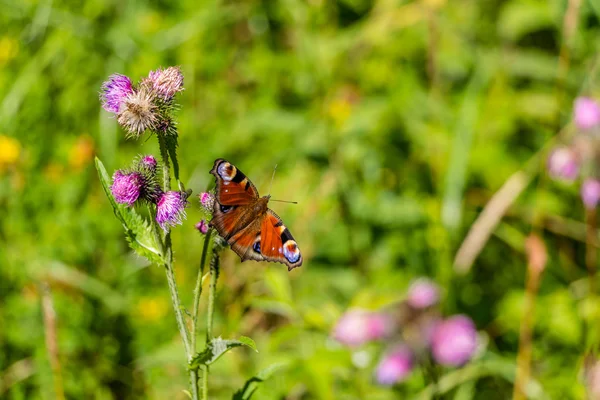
170 272
214 275
197 293
198 288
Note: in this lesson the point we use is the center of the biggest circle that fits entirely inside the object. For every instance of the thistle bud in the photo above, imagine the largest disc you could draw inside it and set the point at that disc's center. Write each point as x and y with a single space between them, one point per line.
207 201
202 227
148 163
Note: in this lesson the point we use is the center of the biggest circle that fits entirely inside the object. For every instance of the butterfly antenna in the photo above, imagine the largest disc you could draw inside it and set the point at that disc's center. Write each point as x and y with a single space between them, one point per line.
272 178
284 201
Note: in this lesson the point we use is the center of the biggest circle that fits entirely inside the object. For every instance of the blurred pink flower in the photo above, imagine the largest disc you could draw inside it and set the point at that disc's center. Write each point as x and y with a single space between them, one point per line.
395 367
423 293
356 327
562 164
454 341
590 193
587 113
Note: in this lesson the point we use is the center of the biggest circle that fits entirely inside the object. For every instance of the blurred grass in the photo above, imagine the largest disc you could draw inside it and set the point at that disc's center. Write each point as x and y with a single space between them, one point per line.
392 123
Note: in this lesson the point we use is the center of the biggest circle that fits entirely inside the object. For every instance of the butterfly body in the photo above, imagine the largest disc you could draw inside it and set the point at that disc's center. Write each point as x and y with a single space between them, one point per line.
243 218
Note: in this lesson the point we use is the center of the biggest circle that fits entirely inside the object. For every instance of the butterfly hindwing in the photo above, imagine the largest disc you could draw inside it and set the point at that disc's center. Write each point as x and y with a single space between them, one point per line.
233 187
277 243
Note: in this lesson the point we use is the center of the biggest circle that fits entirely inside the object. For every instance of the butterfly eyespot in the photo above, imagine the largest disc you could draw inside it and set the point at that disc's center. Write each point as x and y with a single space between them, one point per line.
226 171
225 209
256 247
291 251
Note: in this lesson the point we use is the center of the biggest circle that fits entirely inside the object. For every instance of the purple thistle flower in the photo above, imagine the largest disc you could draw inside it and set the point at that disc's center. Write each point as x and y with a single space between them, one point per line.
170 210
395 367
587 113
423 293
590 193
207 201
126 187
454 341
166 82
356 327
202 227
562 164
114 92
138 112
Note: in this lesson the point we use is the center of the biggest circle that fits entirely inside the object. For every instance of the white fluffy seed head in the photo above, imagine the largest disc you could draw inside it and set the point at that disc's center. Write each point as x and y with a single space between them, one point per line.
138 112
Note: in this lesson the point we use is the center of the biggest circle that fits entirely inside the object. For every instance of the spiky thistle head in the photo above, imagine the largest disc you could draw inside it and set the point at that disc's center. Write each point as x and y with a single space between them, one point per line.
170 209
127 187
139 112
166 82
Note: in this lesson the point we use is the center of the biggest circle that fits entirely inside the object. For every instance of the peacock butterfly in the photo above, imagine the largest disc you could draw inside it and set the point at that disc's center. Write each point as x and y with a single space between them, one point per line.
243 219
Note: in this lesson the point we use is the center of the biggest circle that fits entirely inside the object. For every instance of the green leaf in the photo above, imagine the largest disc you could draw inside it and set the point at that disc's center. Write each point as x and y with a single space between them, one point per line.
172 149
251 385
217 347
137 231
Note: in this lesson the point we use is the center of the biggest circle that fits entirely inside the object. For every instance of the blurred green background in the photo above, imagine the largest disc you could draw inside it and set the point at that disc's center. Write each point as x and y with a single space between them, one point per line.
392 124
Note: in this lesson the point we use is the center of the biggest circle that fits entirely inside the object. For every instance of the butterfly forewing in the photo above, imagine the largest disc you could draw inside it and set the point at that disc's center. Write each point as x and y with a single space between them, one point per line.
233 187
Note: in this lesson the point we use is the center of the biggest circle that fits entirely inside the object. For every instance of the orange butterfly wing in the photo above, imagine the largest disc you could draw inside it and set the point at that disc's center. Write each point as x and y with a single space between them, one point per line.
233 187
277 243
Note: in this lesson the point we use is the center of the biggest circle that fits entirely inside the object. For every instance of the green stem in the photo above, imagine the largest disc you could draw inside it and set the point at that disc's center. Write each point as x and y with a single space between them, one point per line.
197 293
198 288
212 290
170 272
205 382
214 275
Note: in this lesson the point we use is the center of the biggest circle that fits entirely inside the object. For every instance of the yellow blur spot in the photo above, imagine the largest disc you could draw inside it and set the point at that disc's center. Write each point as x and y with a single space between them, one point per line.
9 48
10 150
340 108
340 111
82 152
54 172
151 309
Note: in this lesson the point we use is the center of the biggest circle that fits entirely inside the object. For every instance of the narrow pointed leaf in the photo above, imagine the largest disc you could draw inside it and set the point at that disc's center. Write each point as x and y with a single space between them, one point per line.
137 231
172 149
251 385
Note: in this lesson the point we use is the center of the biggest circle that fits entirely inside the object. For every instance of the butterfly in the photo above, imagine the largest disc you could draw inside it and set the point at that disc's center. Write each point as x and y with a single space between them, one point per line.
243 219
